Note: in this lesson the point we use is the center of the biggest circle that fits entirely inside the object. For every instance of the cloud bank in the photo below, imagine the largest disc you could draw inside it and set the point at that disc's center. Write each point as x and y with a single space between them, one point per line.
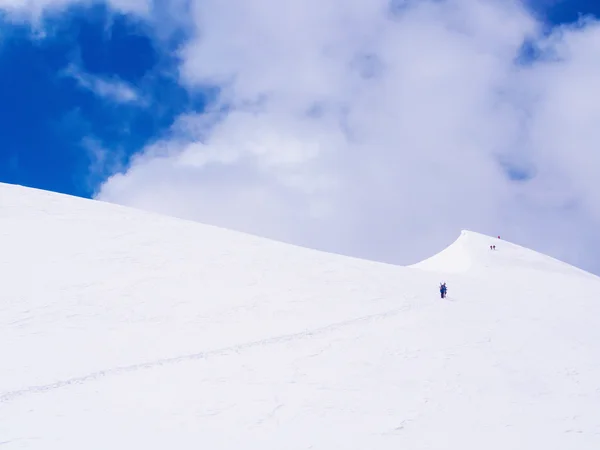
381 129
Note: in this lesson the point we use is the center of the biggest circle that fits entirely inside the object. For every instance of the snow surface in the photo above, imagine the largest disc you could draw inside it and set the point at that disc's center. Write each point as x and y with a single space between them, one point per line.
122 329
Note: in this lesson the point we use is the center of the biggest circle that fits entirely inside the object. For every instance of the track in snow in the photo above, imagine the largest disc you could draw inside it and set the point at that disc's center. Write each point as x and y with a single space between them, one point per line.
11 395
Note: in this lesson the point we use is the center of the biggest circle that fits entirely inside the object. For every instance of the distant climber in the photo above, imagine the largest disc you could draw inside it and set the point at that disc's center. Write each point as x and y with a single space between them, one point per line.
443 290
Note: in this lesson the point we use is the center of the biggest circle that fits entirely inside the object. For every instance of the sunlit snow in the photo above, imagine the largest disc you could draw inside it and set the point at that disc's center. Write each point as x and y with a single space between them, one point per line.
121 329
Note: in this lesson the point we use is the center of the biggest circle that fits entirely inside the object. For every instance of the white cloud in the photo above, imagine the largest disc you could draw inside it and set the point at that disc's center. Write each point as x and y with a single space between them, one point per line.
112 89
347 127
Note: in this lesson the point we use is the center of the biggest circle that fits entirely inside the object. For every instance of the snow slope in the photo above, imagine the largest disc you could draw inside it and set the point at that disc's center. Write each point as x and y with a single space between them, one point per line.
121 329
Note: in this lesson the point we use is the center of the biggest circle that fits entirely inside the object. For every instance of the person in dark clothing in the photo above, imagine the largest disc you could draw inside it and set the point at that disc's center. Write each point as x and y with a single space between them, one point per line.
443 290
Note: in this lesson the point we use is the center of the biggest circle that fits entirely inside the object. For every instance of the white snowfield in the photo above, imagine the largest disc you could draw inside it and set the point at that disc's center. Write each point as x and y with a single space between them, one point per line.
121 329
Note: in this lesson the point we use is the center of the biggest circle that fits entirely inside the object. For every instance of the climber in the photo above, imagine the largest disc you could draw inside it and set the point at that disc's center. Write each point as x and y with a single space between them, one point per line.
443 290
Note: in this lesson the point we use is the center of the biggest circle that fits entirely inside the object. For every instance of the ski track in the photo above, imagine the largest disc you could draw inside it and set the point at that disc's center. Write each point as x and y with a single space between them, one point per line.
11 395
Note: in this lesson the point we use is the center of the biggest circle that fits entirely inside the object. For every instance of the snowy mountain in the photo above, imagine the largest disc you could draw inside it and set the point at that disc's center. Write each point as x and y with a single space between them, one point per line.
122 329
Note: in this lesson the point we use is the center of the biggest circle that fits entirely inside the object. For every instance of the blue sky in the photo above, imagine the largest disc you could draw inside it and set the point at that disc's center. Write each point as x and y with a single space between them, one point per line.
335 128
49 121
565 11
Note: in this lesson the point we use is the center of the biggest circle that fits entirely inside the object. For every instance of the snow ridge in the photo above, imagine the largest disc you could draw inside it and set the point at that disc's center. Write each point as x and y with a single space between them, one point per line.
103 310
